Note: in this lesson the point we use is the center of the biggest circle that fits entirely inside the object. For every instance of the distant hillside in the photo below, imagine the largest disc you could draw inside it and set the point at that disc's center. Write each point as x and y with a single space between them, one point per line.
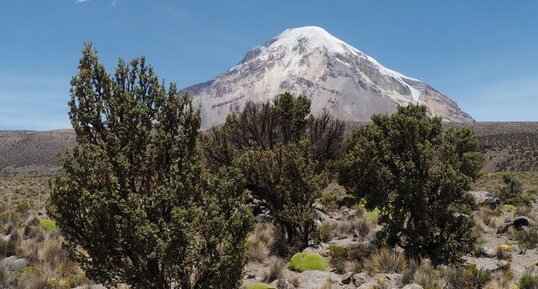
508 146
32 153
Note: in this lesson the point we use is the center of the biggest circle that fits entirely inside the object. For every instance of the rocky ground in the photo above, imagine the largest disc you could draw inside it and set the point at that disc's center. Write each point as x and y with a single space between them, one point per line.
506 249
500 251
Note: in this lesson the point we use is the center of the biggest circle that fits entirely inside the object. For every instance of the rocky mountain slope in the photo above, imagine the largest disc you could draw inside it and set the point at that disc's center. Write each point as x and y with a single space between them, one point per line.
338 77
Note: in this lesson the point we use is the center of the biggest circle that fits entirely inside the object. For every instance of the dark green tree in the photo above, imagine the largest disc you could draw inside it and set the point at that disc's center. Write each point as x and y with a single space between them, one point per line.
286 178
418 177
285 154
135 204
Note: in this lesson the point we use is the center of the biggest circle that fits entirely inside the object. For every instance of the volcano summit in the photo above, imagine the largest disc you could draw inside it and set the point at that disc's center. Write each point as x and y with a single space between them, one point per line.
336 76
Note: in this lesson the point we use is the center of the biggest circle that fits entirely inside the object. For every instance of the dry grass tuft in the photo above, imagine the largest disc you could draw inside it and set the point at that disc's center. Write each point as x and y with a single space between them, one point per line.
276 269
260 242
386 260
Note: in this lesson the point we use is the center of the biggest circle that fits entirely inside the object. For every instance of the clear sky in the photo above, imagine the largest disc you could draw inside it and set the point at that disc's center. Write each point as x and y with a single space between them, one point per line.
481 53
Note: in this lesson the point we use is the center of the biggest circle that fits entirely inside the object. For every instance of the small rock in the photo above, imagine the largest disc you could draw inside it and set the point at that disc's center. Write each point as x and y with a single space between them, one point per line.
360 279
13 263
494 266
18 264
488 251
320 216
347 278
264 218
319 207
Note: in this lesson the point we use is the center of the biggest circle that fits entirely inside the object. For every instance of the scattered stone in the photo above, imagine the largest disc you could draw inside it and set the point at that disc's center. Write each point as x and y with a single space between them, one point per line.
320 216
319 207
7 237
360 279
347 278
344 214
264 218
485 198
13 263
488 251
494 266
283 284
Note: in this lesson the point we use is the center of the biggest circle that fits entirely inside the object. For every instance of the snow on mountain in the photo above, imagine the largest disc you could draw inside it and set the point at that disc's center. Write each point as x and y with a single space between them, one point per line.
335 75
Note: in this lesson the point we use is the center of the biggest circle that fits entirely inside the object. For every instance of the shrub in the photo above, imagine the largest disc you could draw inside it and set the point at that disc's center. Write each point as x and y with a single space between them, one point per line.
425 214
48 224
325 231
301 262
427 276
14 242
469 277
527 238
503 251
350 258
3 274
3 247
528 280
260 241
385 260
334 196
509 208
372 215
338 258
276 267
512 192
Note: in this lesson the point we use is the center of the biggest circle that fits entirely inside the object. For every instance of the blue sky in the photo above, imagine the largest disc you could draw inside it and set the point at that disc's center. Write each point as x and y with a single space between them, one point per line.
483 54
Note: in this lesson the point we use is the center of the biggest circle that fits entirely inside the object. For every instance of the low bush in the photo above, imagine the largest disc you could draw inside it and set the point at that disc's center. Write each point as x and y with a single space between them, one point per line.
469 277
504 252
325 231
527 238
260 241
301 262
48 224
428 277
386 260
276 268
529 280
351 258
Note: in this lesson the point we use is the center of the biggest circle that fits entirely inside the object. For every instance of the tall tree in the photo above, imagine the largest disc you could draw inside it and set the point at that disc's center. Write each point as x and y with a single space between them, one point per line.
285 154
135 205
286 178
418 177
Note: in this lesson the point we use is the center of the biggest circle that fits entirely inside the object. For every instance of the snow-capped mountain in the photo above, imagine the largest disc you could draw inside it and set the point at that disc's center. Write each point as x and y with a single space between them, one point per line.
337 77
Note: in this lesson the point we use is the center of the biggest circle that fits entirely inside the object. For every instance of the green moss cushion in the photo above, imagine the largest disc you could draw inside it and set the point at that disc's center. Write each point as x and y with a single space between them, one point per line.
259 286
48 224
306 262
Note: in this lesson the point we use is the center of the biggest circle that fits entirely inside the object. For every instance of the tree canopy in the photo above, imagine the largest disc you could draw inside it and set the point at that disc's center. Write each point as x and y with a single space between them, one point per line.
135 204
418 176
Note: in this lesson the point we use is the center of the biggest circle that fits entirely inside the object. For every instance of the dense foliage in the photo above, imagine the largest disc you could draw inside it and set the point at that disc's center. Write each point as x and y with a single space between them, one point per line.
418 177
285 154
135 204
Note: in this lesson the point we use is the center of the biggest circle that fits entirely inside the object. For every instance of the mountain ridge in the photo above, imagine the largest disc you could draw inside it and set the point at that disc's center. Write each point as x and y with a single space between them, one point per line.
335 75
